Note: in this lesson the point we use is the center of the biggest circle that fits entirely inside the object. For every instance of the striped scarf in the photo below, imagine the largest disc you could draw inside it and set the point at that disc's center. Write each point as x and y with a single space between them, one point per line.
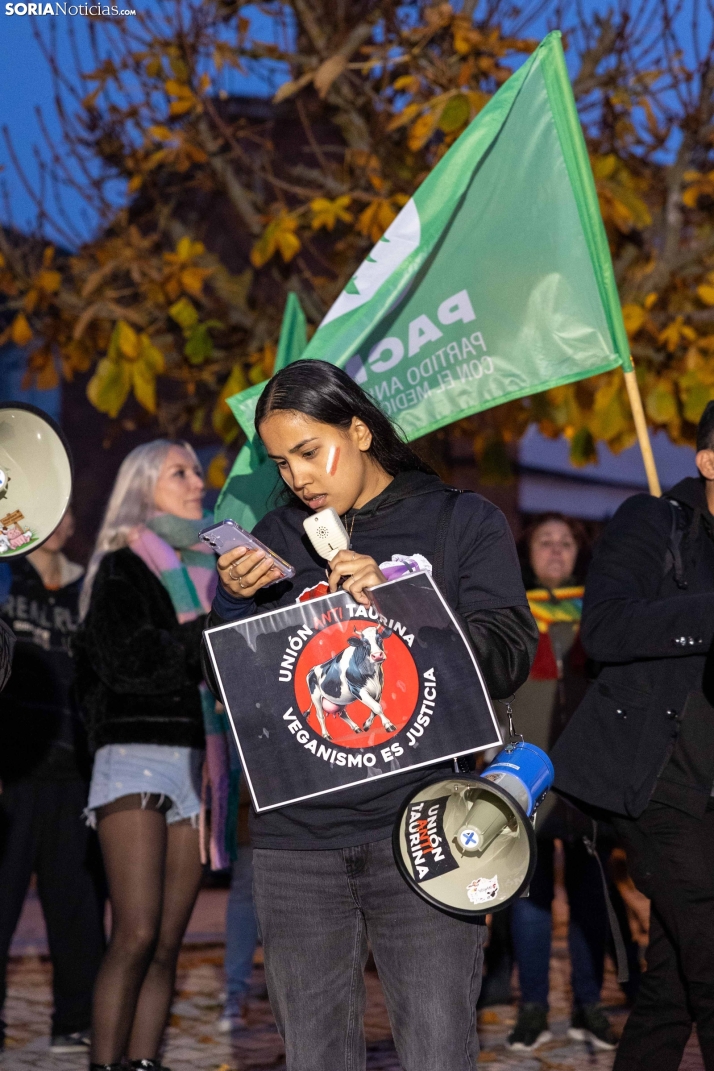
169 546
549 608
561 604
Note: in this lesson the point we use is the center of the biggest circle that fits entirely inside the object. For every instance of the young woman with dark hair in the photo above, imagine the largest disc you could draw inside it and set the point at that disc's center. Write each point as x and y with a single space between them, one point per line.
326 885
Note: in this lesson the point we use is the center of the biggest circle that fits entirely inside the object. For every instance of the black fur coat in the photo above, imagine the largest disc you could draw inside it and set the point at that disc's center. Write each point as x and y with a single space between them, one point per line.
138 669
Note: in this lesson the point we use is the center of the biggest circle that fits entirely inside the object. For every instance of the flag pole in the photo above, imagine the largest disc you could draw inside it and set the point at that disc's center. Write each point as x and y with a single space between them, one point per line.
638 413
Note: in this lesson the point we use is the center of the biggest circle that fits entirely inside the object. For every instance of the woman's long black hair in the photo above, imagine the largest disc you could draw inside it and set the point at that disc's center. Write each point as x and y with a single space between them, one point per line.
326 393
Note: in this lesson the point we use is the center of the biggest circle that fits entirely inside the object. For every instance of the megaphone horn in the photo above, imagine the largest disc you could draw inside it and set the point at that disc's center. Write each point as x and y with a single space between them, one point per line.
466 844
35 478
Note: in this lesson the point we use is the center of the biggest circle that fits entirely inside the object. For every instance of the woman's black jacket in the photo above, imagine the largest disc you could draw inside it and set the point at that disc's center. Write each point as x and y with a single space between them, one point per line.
138 669
482 582
646 726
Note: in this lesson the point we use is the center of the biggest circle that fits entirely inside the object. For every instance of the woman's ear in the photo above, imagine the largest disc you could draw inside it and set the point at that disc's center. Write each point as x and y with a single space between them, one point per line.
704 460
360 434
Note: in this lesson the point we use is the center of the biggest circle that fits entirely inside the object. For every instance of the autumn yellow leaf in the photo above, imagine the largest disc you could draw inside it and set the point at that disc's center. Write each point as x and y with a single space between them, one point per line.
223 420
325 213
676 332
701 186
660 403
456 114
29 302
160 133
144 383
41 370
696 391
217 471
705 293
192 279
186 250
377 216
178 89
48 281
422 129
611 414
404 116
184 313
127 340
180 107
278 236
650 300
109 387
634 317
46 377
466 37
582 448
150 355
20 332
262 363
406 83
603 166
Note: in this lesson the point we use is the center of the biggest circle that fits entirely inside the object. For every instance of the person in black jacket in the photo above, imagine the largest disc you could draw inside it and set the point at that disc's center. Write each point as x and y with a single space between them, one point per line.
325 880
44 778
138 673
641 745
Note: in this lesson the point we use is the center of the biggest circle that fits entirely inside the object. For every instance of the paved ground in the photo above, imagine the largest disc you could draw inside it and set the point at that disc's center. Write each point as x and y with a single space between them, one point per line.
194 1044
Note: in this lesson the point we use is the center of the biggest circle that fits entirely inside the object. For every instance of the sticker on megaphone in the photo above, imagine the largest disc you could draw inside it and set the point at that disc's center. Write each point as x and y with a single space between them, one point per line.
466 844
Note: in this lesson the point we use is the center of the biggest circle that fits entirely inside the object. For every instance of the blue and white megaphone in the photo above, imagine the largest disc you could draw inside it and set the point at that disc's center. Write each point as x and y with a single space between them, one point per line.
466 844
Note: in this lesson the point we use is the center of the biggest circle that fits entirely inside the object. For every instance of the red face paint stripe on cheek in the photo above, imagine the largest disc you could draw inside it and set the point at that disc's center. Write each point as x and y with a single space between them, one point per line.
332 460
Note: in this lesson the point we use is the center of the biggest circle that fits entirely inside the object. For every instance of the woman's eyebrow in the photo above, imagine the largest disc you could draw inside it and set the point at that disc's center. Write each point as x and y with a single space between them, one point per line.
294 449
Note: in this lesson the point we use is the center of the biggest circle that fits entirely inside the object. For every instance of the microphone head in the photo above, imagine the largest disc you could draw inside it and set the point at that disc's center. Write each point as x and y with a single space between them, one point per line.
327 533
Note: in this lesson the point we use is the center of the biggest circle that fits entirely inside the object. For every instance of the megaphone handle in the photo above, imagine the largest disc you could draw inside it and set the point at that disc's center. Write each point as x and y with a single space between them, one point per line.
513 736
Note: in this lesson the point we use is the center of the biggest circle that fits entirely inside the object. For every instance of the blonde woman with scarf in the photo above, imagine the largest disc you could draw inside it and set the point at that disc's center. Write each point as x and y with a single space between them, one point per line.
148 587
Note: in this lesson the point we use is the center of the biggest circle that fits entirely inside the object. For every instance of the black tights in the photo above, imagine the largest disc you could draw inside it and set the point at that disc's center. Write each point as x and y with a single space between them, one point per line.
154 874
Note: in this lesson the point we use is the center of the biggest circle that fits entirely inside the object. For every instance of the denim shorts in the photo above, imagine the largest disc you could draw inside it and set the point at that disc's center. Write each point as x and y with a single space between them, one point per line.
125 769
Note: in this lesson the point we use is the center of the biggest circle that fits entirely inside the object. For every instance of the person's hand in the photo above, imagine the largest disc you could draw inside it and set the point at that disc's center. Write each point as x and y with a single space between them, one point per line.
243 571
355 572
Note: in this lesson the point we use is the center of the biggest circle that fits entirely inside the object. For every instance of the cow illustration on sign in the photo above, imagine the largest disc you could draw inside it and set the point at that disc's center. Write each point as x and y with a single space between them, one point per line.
355 673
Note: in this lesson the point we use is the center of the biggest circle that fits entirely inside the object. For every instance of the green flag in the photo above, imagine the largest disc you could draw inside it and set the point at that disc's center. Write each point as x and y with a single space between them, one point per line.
246 493
495 281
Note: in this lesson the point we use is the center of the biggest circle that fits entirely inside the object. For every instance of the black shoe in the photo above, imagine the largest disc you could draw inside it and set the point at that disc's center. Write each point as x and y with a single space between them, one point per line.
106 1067
531 1029
77 1042
147 1065
589 1023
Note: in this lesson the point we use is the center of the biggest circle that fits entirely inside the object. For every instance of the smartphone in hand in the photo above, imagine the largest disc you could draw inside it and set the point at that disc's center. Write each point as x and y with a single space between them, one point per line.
228 535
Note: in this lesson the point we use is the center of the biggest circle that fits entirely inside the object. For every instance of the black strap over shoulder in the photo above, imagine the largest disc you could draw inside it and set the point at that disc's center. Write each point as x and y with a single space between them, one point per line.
442 530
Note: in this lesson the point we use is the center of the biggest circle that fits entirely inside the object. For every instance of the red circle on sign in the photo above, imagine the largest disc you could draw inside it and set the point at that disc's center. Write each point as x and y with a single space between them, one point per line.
400 691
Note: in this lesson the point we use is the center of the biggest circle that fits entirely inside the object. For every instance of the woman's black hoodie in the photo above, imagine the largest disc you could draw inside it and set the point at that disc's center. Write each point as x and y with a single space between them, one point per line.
483 584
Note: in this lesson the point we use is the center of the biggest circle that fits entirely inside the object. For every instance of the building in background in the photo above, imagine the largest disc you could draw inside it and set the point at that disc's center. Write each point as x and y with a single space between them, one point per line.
548 481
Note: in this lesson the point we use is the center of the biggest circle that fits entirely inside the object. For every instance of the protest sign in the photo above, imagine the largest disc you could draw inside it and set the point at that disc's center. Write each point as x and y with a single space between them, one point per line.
326 694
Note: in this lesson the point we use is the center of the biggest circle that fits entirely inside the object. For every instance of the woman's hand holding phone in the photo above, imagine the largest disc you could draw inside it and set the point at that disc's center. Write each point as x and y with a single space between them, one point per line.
243 572
355 573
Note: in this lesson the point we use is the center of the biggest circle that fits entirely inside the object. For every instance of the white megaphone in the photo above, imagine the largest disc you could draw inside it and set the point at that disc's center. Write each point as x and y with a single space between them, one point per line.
35 478
466 844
